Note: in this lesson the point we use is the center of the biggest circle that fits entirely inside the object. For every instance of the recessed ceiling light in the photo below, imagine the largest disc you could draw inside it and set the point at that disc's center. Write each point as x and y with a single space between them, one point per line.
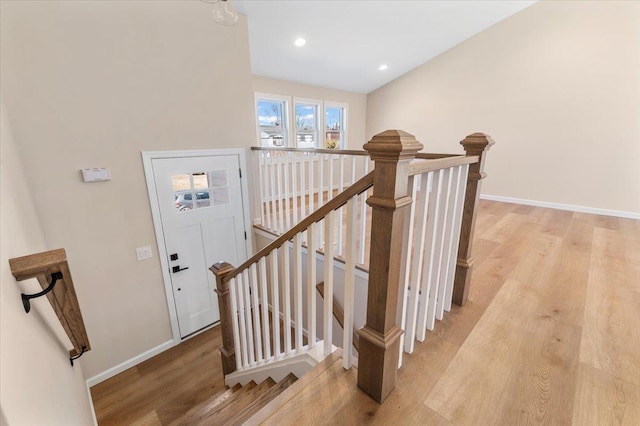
300 42
383 67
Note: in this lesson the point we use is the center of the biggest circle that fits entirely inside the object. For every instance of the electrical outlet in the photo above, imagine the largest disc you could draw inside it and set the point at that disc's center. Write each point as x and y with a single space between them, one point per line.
144 252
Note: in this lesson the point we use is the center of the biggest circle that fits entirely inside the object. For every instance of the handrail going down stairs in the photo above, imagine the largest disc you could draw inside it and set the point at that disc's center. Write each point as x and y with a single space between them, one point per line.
422 220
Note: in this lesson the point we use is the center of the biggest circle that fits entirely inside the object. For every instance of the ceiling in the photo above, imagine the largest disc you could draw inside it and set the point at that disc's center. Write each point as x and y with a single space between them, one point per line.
348 40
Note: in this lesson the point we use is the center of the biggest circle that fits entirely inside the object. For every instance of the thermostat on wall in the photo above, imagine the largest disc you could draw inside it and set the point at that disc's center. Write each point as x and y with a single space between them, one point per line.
96 175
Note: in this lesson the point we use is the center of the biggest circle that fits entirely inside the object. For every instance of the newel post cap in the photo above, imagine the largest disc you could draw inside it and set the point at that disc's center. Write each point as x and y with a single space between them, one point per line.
393 144
221 268
477 142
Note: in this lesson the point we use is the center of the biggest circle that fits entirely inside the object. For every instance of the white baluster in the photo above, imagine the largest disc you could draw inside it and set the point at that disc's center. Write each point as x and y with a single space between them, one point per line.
253 286
311 284
409 297
363 215
275 303
328 283
436 256
266 329
311 184
243 325
353 169
340 189
286 298
262 178
330 183
297 288
431 237
363 226
294 187
280 229
234 323
272 193
447 232
287 194
303 188
247 312
320 193
457 222
349 283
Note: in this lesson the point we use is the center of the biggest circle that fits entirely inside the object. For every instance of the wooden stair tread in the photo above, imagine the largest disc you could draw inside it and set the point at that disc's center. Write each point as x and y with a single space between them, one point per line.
234 400
295 388
237 403
325 393
203 409
262 400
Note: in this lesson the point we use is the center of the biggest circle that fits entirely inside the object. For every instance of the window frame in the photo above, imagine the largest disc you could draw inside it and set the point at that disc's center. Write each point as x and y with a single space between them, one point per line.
343 131
319 122
286 113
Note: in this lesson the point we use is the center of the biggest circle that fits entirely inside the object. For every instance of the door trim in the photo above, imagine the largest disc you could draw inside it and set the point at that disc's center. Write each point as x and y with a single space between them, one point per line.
147 161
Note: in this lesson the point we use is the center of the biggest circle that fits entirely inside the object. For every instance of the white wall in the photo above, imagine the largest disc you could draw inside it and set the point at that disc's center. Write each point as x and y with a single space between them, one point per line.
92 84
37 386
556 85
356 111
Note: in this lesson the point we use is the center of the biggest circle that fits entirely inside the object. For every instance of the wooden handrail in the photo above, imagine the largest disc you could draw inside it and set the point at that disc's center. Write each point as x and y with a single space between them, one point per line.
313 150
433 156
420 155
62 297
335 203
420 167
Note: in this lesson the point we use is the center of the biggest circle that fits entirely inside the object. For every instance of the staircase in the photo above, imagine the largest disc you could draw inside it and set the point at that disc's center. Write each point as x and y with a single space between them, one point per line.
237 404
418 242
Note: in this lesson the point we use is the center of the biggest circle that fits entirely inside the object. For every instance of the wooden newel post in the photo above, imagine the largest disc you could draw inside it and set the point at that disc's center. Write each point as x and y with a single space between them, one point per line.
227 350
474 144
392 151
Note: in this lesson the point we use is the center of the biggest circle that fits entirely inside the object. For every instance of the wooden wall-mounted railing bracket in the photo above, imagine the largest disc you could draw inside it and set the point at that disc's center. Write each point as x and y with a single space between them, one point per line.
51 270
26 298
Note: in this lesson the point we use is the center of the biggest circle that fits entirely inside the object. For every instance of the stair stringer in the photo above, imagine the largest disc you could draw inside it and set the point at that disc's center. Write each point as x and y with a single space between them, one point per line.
297 364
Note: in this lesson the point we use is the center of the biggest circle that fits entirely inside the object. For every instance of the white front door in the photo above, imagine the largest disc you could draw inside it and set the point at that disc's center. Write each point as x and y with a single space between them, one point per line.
202 216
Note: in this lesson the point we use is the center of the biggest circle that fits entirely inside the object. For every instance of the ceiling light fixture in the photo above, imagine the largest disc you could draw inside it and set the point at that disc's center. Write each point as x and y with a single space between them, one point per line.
300 42
383 67
223 12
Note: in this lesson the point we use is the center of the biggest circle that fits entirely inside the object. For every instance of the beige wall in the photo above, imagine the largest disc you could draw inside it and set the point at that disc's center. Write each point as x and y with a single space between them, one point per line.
38 386
356 111
556 85
92 84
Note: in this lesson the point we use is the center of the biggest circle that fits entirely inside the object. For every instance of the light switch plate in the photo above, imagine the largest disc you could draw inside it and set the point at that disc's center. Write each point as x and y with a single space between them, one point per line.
96 174
144 252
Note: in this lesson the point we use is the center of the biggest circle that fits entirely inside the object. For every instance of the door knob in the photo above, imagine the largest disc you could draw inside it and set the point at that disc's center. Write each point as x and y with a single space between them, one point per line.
177 268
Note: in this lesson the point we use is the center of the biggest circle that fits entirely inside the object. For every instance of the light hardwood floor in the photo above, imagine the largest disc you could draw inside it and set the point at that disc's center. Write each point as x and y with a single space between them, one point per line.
163 388
550 335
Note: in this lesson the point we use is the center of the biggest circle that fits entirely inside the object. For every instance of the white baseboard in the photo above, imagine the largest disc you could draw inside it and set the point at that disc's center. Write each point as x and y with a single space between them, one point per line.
93 410
559 206
101 377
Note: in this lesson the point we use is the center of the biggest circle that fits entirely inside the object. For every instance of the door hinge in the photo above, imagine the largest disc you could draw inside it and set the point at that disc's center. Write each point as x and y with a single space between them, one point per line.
240 171
245 235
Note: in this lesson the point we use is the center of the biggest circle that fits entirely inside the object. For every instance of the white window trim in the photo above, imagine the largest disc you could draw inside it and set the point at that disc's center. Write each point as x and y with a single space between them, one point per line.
345 112
286 112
